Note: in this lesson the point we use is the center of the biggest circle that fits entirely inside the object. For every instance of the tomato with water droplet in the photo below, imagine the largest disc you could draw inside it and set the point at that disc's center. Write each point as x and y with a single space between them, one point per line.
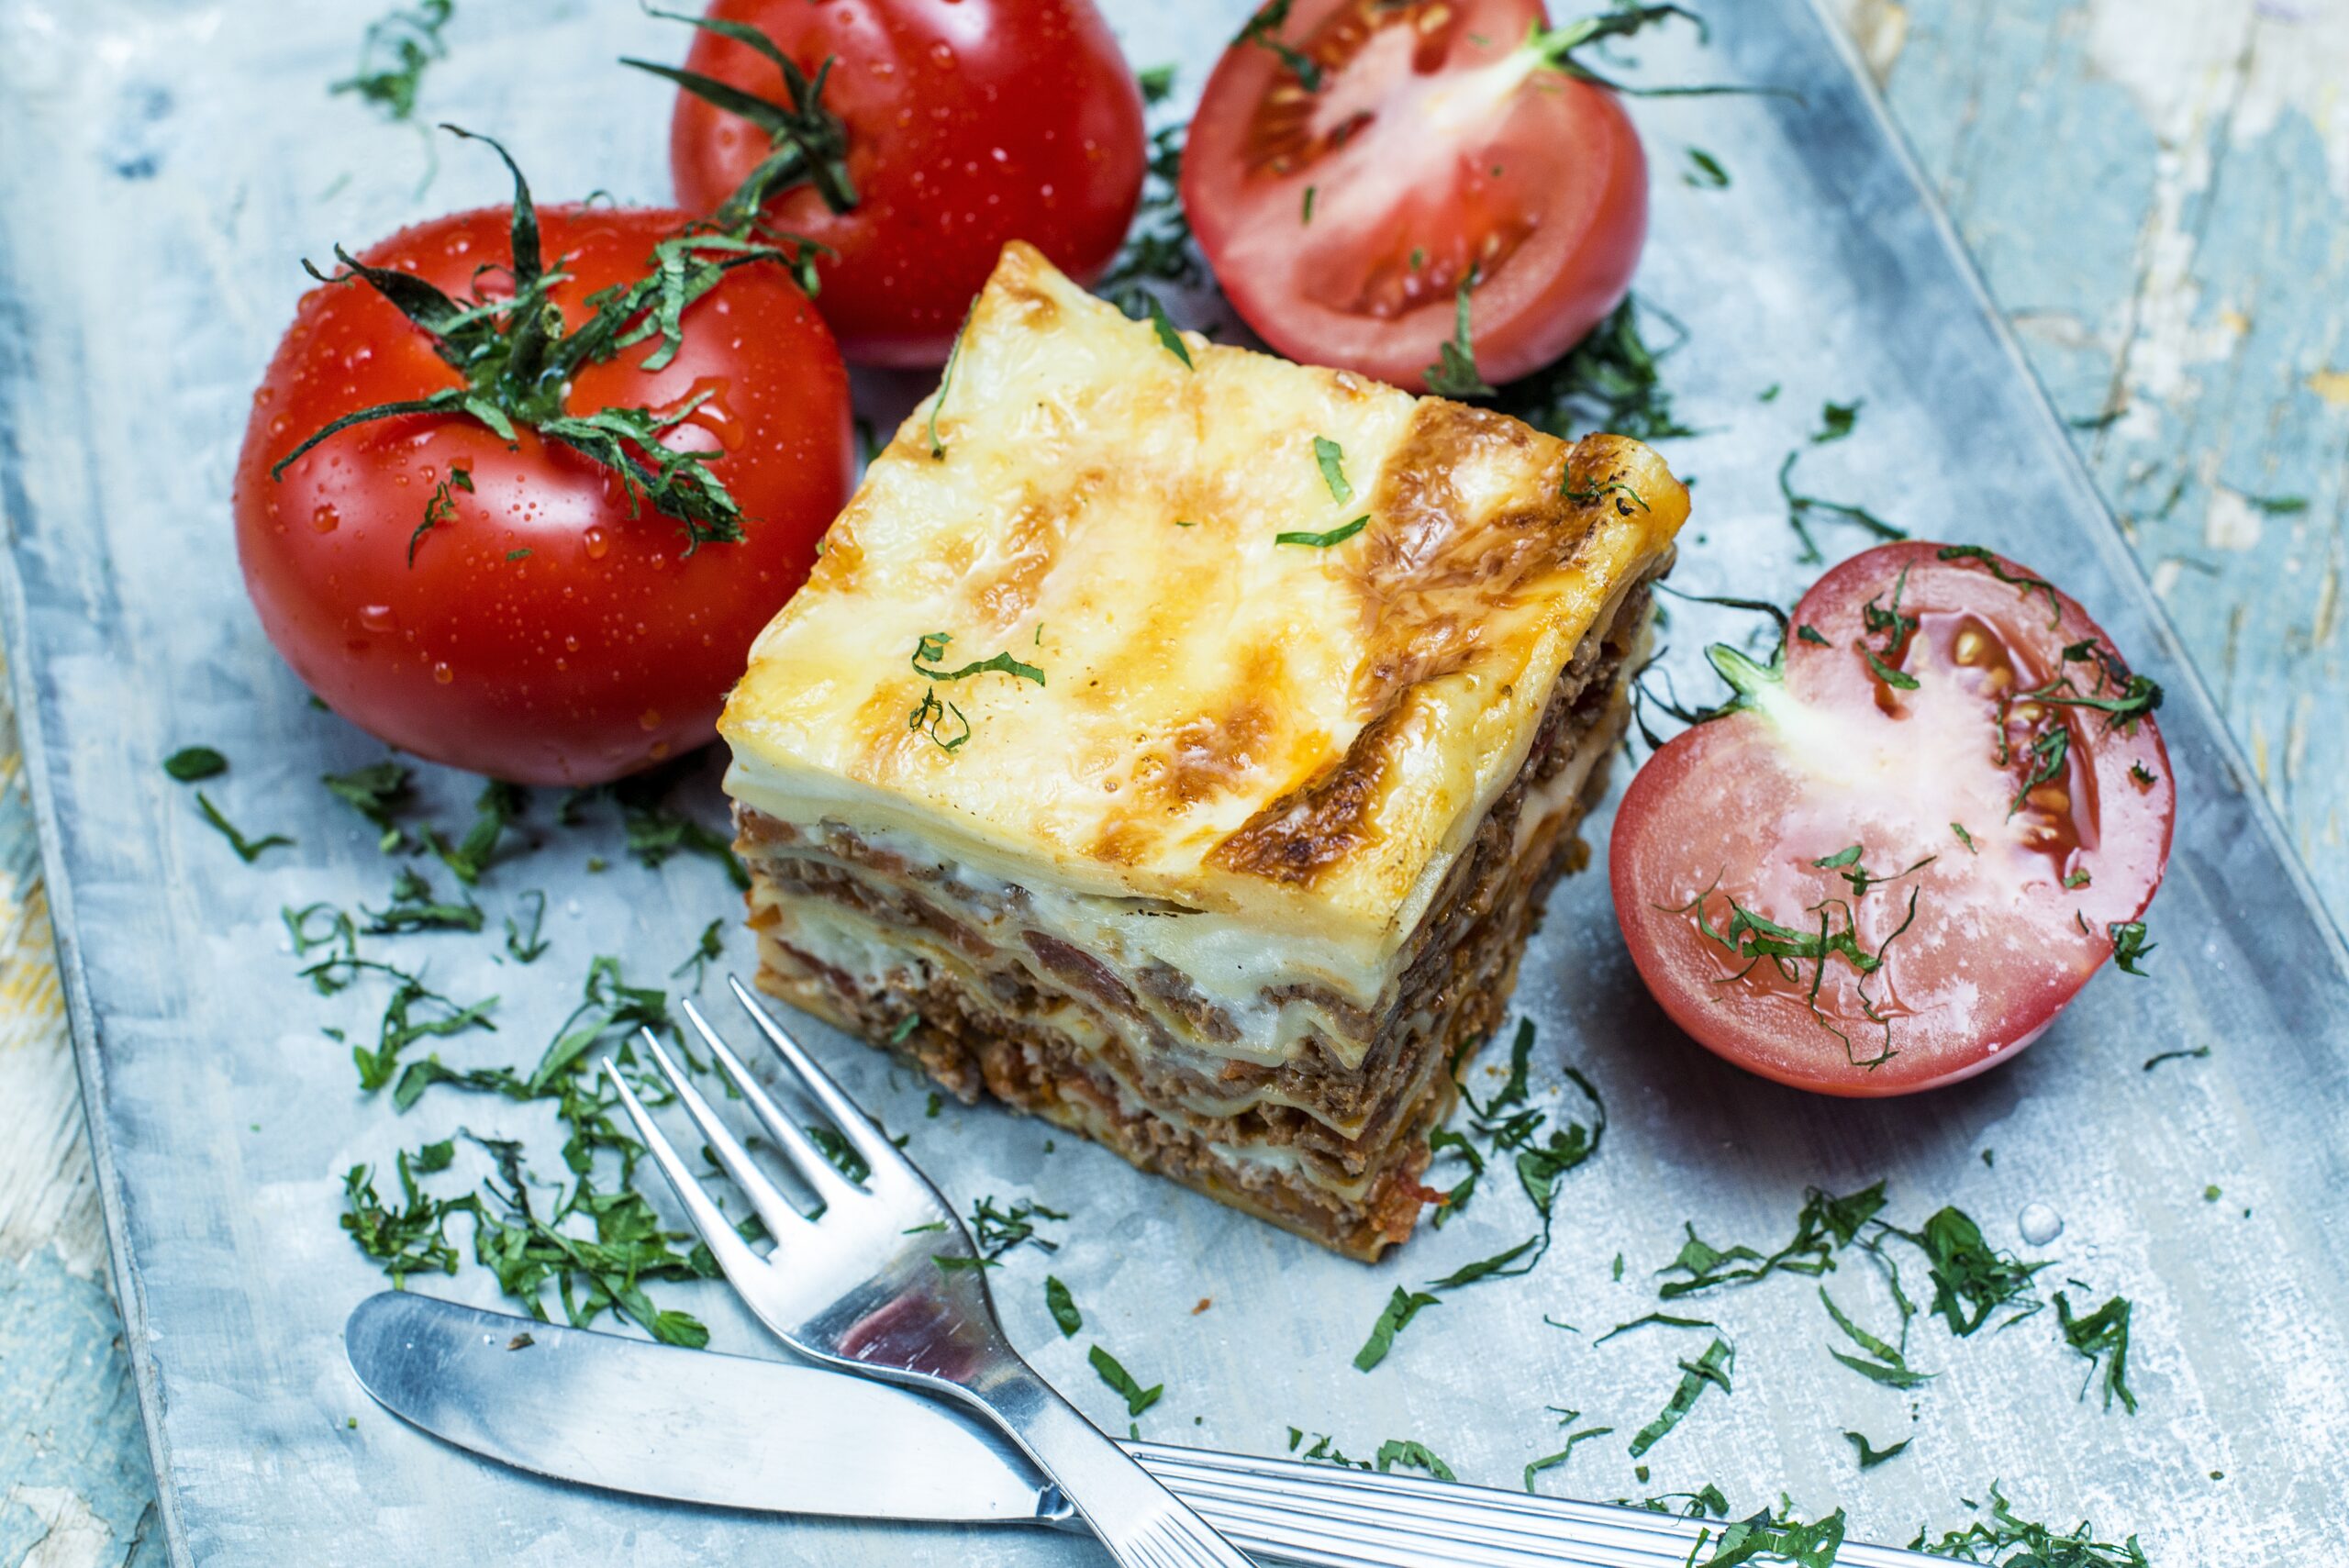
444 655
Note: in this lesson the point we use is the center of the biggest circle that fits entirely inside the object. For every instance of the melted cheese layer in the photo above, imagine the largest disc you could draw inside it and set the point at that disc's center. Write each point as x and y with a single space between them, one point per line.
1297 740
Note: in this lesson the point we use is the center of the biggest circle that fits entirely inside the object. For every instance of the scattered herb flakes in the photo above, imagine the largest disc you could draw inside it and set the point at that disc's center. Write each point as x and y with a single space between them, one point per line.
1869 1455
1711 1368
1136 1396
655 831
1824 1224
393 55
190 763
2194 1052
1619 1265
1883 1362
1324 540
1158 247
2101 1336
1400 1309
1809 633
1611 381
1263 30
414 908
1157 84
2280 505
1324 1450
2142 776
1767 1538
1971 1279
2022 582
1800 507
1455 373
1836 420
996 1230
2007 1539
905 1029
1705 171
1412 1455
1168 337
521 554
412 1239
1332 459
494 811
413 1012
1306 208
839 1151
378 793
1964 837
248 849
528 946
440 509
931 647
1063 1306
1654 1319
707 949
1573 1440
2128 943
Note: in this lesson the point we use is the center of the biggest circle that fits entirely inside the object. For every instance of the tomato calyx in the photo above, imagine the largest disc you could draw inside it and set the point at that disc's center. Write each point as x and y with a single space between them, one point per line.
808 144
517 362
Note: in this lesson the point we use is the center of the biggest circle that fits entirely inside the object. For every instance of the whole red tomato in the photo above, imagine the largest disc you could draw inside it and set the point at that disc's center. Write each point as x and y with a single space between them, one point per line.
542 629
967 123
1353 164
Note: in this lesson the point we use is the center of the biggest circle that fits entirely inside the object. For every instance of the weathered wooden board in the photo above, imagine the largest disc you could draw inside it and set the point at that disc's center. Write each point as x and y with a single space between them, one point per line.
132 638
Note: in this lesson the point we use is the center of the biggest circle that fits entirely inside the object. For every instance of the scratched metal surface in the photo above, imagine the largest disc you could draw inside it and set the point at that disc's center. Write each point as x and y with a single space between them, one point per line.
159 182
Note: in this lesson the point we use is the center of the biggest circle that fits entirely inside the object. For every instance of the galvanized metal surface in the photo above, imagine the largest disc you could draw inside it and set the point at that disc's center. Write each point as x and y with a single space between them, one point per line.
162 181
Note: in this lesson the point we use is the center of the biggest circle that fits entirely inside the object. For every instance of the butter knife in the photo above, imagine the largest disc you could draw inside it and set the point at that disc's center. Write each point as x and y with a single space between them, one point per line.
731 1431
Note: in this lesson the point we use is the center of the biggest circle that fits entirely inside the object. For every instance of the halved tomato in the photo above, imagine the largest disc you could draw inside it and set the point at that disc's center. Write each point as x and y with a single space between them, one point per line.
1354 163
1910 839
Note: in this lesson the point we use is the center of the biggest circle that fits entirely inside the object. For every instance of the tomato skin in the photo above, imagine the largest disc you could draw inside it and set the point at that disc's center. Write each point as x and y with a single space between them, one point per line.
2006 931
1570 197
971 123
605 649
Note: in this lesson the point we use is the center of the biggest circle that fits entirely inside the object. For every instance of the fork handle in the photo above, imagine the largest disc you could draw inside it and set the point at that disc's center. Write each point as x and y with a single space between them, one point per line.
1143 1524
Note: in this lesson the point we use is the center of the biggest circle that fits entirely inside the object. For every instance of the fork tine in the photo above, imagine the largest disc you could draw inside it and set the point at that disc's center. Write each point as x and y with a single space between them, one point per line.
814 1169
780 1218
734 1256
853 1124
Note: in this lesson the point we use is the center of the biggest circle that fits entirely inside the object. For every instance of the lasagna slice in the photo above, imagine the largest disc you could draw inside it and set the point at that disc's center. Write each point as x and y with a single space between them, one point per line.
1176 743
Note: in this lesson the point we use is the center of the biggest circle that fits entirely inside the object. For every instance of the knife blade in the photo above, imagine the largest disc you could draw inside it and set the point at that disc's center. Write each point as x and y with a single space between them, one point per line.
699 1427
688 1426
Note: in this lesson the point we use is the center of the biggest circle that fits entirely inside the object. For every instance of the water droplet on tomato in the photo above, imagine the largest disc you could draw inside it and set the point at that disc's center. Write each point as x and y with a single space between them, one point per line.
657 750
650 719
943 54
442 673
377 618
571 645
597 542
324 518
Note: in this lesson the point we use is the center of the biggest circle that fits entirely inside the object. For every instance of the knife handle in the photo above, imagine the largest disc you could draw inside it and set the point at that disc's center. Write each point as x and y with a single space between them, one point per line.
1141 1523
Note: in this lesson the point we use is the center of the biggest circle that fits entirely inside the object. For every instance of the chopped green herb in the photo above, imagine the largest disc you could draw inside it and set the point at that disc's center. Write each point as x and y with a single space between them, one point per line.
905 1029
378 793
414 908
1331 457
1611 381
1400 1309
1778 1540
1412 1455
1705 171
1136 1396
997 1230
945 380
412 1239
1455 373
2076 877
1711 1368
2026 583
523 554
526 947
1158 247
654 830
1656 1320
1168 337
1324 540
2101 1336
708 948
1869 1455
1573 1440
1307 217
2128 943
1883 1362
440 509
2142 776
495 809
1263 30
248 849
2007 1539
1063 1306
1156 82
1971 1279
1810 633
1964 837
1824 1224
1800 507
2280 505
392 56
190 763
931 648
1836 420
2155 1060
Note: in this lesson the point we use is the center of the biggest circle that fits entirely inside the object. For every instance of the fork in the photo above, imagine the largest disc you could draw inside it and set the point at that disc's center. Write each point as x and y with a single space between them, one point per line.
885 1281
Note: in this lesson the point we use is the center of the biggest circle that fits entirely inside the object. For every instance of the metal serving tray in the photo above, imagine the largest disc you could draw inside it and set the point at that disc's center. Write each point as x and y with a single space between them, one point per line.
167 162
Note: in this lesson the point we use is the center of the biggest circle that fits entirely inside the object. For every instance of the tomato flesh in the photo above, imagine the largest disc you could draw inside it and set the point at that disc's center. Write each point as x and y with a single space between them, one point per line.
970 123
1343 221
1881 876
545 631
